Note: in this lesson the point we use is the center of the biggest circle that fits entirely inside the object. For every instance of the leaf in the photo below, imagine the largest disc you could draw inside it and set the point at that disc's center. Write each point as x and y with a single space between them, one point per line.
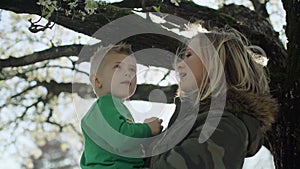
156 8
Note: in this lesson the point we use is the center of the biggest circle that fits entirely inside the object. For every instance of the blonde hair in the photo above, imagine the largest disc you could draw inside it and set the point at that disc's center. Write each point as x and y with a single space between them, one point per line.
227 52
98 57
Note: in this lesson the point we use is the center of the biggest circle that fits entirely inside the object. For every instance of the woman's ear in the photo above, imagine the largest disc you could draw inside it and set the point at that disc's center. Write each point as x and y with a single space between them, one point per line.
95 81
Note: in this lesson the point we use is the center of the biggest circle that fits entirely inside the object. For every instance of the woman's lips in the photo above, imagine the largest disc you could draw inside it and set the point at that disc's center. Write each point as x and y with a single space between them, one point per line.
182 75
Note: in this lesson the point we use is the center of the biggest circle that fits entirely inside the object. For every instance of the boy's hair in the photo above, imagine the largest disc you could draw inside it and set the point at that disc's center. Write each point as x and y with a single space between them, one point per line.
102 52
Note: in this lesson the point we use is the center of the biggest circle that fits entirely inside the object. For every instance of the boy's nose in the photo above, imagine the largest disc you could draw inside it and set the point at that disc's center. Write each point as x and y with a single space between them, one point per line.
128 73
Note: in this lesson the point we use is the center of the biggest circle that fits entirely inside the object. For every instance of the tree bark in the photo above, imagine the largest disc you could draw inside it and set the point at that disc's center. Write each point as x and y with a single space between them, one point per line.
284 139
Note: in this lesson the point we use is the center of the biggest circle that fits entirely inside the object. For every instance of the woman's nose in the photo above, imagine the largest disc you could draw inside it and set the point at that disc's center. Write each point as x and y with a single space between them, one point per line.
180 64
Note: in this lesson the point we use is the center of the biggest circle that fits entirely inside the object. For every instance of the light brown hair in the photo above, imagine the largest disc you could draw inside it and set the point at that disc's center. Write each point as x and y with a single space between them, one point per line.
102 52
228 52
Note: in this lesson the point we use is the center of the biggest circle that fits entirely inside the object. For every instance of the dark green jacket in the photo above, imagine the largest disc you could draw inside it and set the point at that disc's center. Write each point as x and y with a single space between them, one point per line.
107 116
239 134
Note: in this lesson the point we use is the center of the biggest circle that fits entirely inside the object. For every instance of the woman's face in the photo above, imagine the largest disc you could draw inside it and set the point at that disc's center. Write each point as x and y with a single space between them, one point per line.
190 69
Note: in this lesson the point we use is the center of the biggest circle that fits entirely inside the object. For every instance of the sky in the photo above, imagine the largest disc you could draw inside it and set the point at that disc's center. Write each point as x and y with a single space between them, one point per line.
263 160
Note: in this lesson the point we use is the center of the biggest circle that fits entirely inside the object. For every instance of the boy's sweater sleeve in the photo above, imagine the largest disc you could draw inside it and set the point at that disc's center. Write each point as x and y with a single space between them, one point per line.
122 124
110 130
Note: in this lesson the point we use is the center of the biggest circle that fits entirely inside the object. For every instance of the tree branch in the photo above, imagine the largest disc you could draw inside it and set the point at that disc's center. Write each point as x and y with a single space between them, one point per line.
24 91
143 92
137 3
256 28
51 53
48 120
152 57
261 8
84 90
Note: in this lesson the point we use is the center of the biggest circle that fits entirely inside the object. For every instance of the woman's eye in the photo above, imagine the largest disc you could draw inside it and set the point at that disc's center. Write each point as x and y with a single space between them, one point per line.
188 54
181 56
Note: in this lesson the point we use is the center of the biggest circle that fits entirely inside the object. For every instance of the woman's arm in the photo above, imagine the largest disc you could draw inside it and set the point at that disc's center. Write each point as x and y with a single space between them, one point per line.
225 149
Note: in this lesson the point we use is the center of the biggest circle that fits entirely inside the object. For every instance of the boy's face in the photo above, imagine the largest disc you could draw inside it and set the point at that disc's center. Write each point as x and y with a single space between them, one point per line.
118 75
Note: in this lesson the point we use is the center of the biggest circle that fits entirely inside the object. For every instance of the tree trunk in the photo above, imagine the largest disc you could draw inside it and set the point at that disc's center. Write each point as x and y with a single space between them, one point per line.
285 138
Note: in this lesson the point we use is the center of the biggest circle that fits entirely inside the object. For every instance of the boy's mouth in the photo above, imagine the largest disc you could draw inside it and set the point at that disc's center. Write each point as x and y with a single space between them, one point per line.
127 82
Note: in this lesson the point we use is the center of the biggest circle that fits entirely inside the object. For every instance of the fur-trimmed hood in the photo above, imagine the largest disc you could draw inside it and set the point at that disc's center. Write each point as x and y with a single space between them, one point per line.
257 112
262 107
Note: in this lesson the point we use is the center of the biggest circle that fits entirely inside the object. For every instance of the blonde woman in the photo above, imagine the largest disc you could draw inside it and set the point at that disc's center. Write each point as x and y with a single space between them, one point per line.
221 78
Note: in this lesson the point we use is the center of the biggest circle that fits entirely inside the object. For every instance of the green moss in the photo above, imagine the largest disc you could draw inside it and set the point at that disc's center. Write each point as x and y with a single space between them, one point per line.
110 9
229 19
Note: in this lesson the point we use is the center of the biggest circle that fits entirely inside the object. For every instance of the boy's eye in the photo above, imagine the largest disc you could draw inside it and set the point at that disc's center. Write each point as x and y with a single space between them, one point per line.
133 69
117 66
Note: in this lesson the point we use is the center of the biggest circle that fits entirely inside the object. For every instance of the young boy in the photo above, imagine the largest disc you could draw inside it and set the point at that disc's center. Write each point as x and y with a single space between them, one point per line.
108 123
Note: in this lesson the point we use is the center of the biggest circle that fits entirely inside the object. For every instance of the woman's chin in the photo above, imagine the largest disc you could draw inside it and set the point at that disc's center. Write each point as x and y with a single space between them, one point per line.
186 88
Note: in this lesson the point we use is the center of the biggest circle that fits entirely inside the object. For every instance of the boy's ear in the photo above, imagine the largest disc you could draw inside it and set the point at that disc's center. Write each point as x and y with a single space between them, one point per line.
95 81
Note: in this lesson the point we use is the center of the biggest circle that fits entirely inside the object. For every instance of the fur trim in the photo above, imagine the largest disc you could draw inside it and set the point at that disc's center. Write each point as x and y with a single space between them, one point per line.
262 107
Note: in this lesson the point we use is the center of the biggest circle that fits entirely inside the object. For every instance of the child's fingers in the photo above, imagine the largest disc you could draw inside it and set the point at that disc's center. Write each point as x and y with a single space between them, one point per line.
150 119
160 121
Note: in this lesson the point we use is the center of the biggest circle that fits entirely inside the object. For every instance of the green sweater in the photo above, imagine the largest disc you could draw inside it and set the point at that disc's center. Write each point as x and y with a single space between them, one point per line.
103 128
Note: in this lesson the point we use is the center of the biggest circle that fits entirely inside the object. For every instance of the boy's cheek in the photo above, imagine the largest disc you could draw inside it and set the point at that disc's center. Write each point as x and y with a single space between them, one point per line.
132 89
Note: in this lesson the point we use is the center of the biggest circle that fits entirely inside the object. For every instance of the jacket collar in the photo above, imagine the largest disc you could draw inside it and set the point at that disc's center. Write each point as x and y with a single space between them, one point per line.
262 107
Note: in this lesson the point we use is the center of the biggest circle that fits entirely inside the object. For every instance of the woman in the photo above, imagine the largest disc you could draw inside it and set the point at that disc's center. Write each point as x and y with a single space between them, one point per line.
220 78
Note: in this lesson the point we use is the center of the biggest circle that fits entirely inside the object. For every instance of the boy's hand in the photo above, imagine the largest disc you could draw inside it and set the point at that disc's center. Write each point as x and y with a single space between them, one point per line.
154 124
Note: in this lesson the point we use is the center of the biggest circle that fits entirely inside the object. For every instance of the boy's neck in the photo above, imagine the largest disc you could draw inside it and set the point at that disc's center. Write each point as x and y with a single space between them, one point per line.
104 94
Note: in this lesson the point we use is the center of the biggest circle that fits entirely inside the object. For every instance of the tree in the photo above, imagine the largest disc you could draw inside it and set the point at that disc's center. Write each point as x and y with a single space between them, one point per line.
54 156
88 16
